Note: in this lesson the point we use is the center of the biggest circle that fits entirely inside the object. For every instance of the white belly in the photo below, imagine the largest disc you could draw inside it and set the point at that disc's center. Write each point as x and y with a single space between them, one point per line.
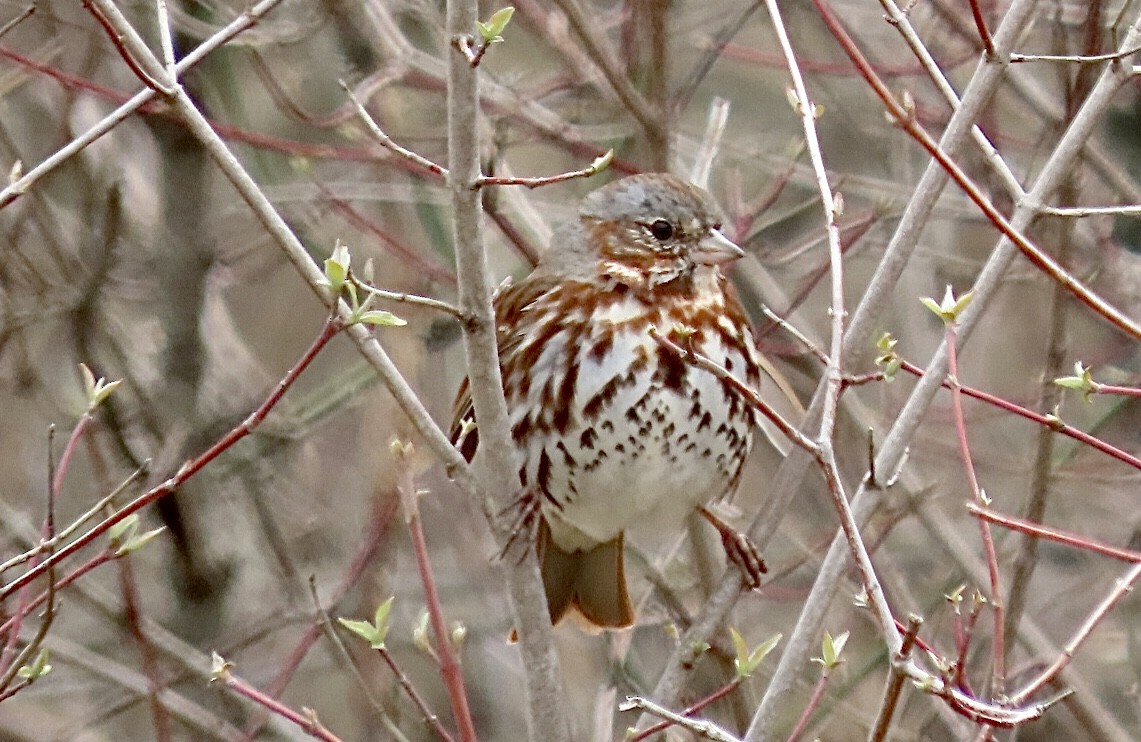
638 452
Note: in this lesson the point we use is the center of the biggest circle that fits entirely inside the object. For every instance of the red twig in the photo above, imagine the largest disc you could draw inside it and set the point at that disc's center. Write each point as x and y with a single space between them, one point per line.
307 720
430 718
107 555
1052 423
984 32
1123 587
129 588
977 495
1123 391
713 697
445 647
908 123
810 709
964 632
1053 534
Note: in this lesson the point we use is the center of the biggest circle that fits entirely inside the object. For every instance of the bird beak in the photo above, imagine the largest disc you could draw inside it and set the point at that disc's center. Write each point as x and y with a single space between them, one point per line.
716 249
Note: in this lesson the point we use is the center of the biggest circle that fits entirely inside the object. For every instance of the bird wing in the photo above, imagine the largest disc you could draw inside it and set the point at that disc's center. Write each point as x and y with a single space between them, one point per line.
509 302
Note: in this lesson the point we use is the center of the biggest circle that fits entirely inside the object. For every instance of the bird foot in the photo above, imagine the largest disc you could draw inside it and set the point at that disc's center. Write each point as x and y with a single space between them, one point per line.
740 550
524 526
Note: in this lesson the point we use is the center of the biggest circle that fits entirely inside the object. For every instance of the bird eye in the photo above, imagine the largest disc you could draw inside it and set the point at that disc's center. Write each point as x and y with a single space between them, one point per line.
662 230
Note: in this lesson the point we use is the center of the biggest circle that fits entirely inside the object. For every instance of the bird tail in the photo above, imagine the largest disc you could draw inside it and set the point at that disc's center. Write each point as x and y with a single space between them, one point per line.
592 582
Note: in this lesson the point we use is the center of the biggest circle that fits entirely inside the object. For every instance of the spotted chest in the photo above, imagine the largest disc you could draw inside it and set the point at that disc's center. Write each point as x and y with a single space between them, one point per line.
616 431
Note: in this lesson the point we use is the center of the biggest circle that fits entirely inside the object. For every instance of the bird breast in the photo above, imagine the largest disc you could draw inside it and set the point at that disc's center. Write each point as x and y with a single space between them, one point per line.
618 432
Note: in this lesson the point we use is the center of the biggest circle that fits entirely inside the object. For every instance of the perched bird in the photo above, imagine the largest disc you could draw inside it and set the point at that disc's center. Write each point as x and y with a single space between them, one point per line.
613 430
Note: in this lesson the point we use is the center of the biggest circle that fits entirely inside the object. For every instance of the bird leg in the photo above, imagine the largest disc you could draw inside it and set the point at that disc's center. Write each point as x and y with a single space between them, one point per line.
740 550
525 525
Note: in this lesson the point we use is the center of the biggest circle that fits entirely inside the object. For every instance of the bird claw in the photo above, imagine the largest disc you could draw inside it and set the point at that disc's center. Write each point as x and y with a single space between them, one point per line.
524 526
740 550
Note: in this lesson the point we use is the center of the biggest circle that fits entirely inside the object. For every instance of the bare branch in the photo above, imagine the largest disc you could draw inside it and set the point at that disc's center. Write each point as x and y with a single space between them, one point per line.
1056 535
496 468
599 164
386 141
700 727
635 103
24 15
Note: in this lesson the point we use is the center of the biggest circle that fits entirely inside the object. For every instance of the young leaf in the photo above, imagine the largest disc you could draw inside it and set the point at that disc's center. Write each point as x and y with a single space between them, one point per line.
420 633
337 268
950 308
96 390
127 526
38 668
492 30
219 667
363 629
374 633
830 650
602 161
1081 381
747 661
382 318
134 543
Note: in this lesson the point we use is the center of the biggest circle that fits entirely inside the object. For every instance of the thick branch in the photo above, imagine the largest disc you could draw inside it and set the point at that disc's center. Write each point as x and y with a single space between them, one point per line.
495 464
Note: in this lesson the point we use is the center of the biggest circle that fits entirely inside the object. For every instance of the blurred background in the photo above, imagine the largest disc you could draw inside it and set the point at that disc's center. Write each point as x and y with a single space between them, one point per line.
136 257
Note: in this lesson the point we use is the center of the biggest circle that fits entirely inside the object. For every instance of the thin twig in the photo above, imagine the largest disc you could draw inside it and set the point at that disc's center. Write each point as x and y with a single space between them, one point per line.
809 708
999 645
166 41
710 141
386 141
445 647
1083 211
420 301
594 168
984 32
1074 58
895 680
1124 587
326 622
306 719
133 617
1049 421
713 697
1056 535
23 16
700 727
142 65
964 634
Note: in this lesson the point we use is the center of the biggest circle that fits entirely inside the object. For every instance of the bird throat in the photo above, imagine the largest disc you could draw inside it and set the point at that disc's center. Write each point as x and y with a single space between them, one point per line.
662 275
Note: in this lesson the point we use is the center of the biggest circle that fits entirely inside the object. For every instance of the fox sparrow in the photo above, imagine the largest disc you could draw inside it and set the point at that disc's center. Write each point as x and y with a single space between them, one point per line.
613 429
